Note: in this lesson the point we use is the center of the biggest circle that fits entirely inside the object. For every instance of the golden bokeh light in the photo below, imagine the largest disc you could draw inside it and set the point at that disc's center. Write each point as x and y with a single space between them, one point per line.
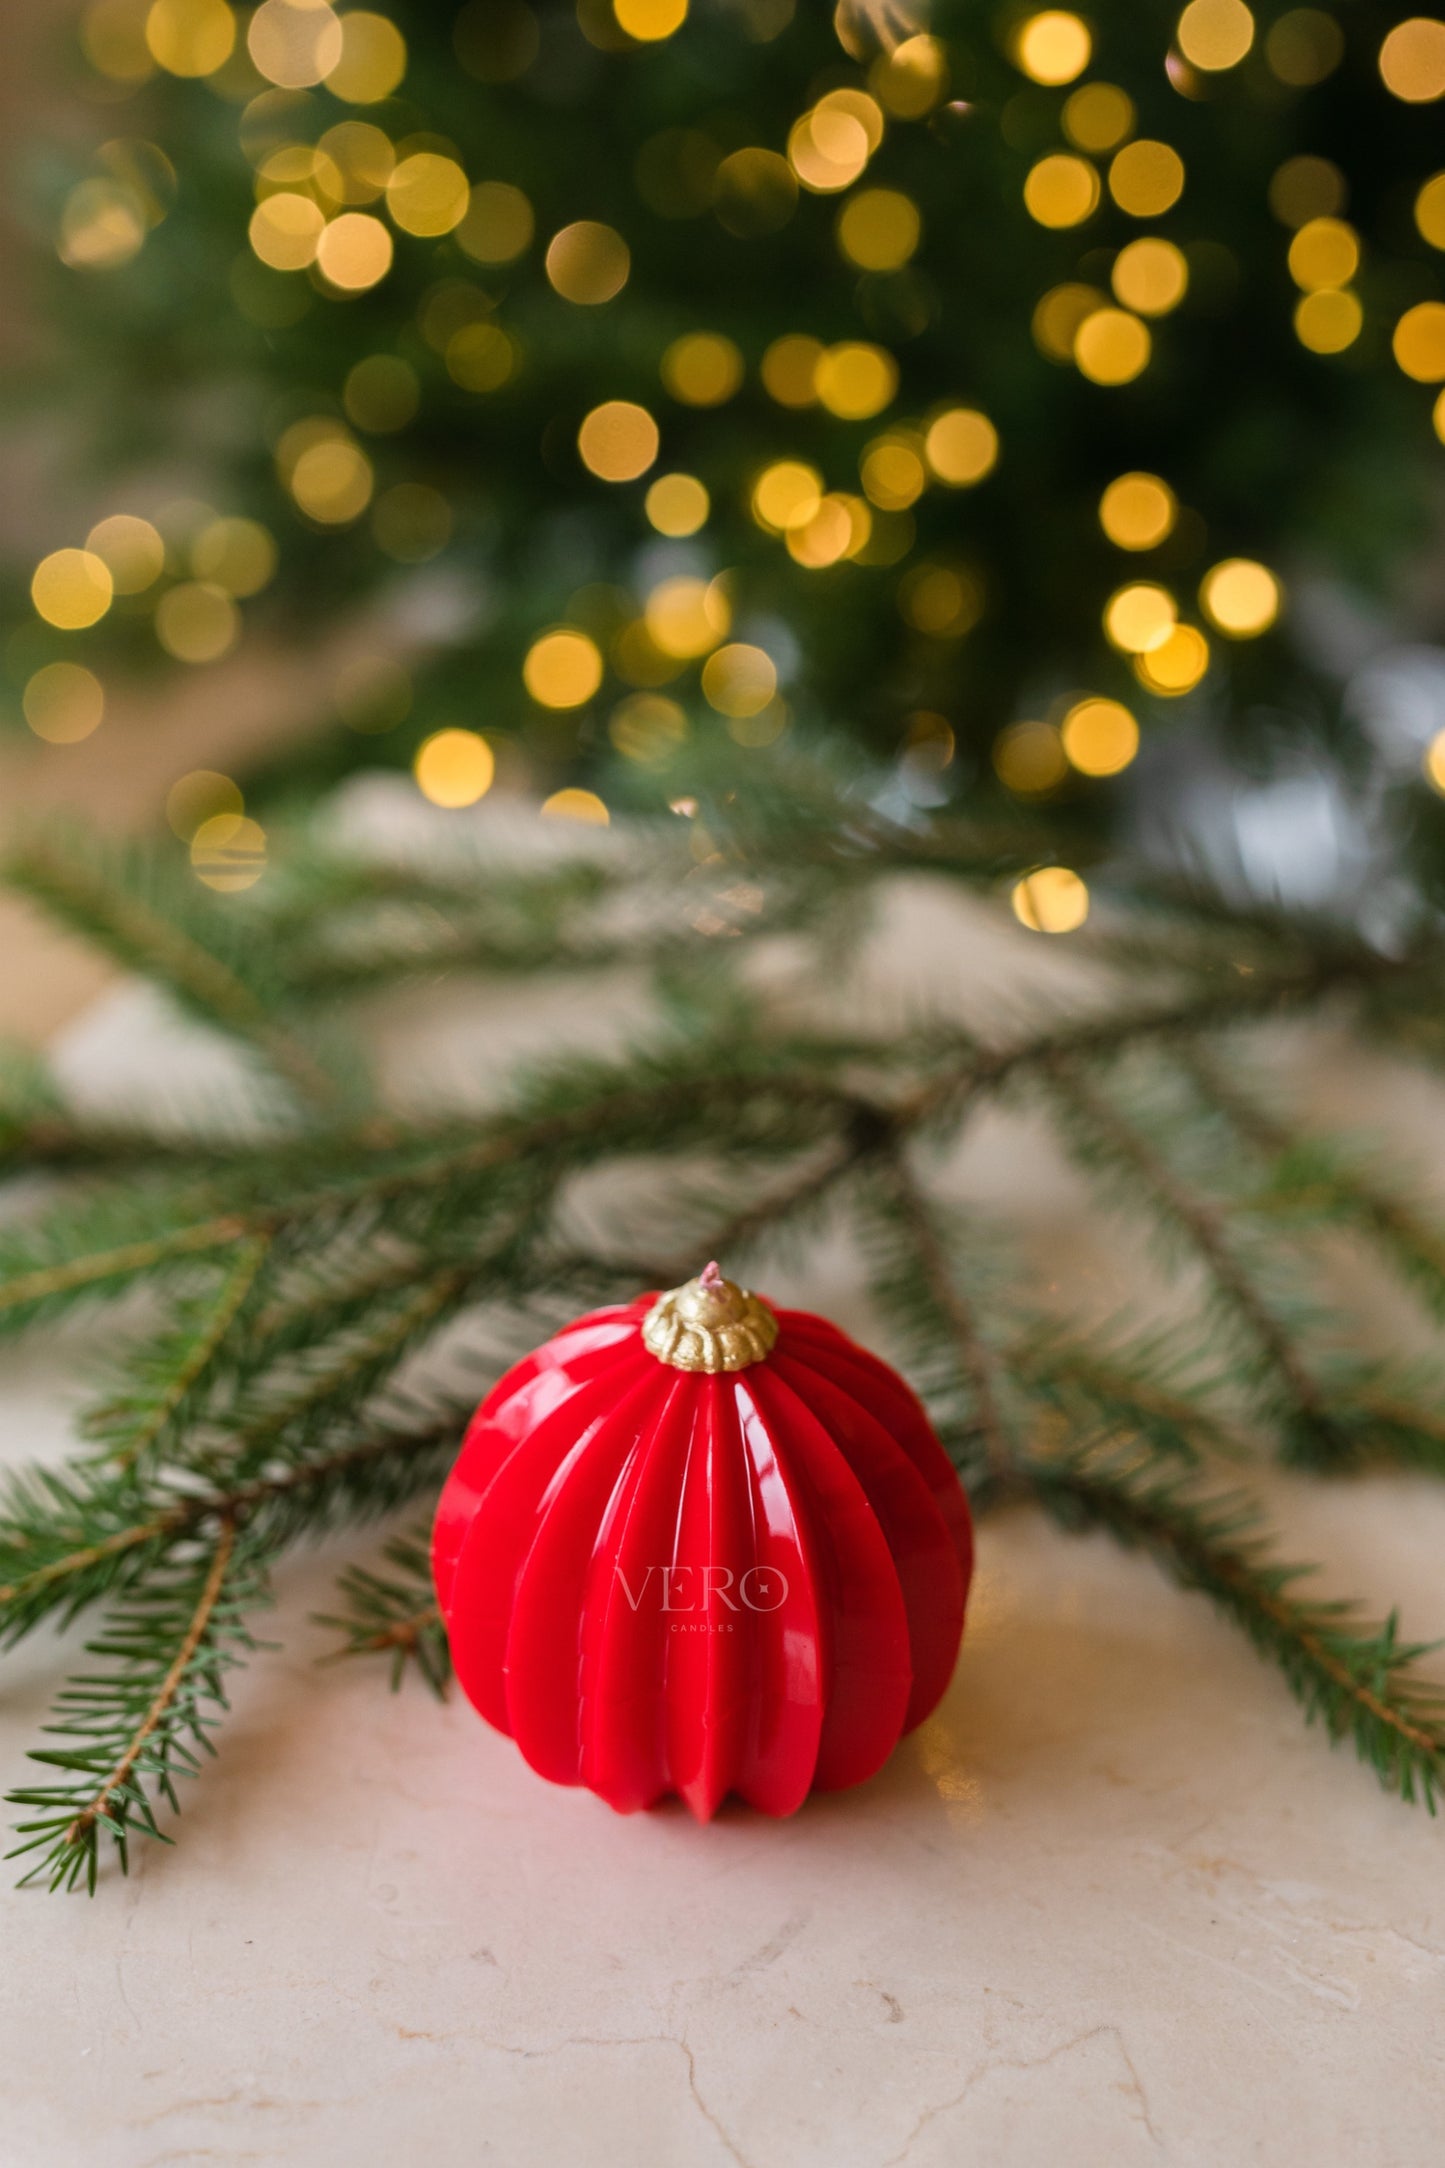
236 554
1029 759
113 39
790 369
563 669
1098 116
362 158
1430 211
295 44
190 37
72 589
499 224
1140 617
1240 597
961 446
892 472
648 728
285 229
330 477
373 59
1138 511
201 795
1176 665
428 194
1150 276
677 504
1304 188
838 526
702 368
943 601
879 229
131 549
764 728
228 853
1412 60
1328 321
197 622
1053 47
650 20
687 617
1053 899
855 380
1058 315
102 226
1215 34
354 252
412 522
1061 190
739 680
912 79
754 192
1100 737
454 768
1419 342
1112 347
1304 46
1325 252
480 357
1146 178
827 150
618 441
576 805
63 702
588 263
786 494
1433 762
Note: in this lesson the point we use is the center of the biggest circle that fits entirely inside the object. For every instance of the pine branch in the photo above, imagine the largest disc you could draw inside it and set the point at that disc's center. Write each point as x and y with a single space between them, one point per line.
395 1615
77 893
146 1718
1303 1404
1359 1680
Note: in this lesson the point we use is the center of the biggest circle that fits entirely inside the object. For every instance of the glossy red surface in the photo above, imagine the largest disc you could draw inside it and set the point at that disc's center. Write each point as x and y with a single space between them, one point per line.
660 1582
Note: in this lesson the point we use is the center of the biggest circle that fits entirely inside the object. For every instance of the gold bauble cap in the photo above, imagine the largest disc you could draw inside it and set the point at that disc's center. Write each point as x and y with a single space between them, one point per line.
709 1324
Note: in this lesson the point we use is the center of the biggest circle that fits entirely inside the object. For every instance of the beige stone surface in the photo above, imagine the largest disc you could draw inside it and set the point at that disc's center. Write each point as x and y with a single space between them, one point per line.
1113 1905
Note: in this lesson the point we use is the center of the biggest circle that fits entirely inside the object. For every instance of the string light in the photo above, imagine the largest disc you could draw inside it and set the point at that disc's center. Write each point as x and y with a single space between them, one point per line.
650 20
285 230
961 446
1150 276
412 522
361 156
576 805
677 504
892 473
1050 900
739 680
1053 47
498 225
687 617
790 369
1139 617
372 62
1304 188
1419 342
102 226
1215 34
1098 116
563 669
618 441
1325 252
856 380
190 37
879 229
480 357
1412 60
754 192
72 589
1240 597
63 702
1100 737
354 252
702 369
1433 763
1146 178
1112 347
912 79
1176 666
1058 315
648 728
786 494
454 768
1138 511
238 555
1304 46
943 601
428 194
1328 321
201 795
1029 759
1061 190
197 622
588 263
131 550
228 853
295 43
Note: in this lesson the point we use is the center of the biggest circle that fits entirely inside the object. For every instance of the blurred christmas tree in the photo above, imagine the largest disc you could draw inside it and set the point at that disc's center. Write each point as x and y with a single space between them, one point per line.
987 390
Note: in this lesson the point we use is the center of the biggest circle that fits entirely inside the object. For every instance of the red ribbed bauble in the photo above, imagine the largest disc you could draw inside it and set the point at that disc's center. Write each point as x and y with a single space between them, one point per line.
695 1544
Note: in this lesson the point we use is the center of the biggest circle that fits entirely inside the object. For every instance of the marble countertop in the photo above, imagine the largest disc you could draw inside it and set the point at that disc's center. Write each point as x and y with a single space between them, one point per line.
1113 1904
